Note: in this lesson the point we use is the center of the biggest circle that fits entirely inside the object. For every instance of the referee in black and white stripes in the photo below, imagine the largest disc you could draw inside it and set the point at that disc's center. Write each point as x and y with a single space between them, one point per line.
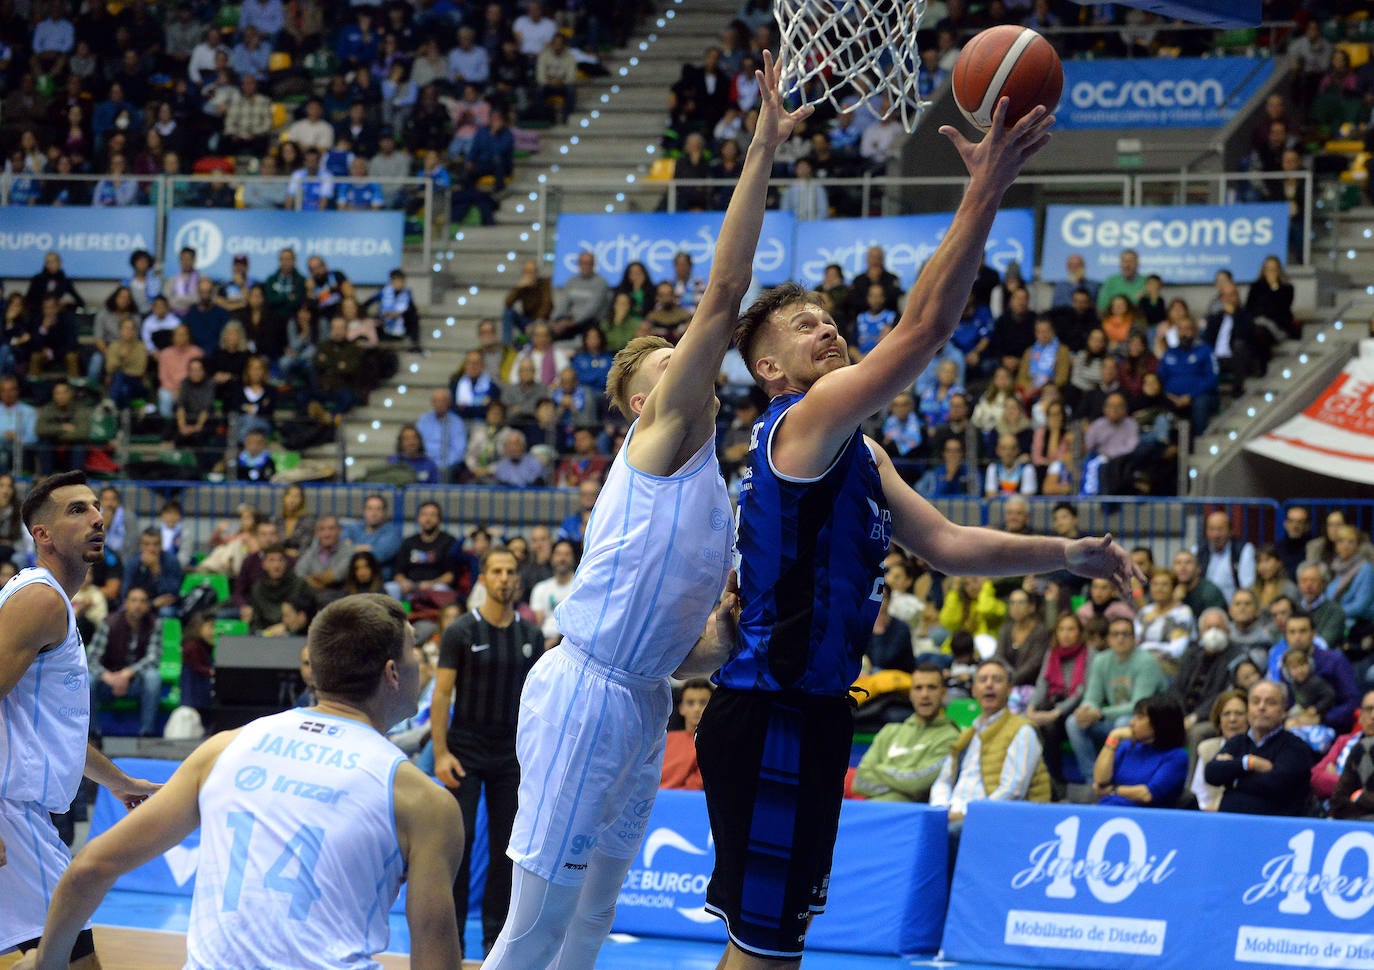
484 657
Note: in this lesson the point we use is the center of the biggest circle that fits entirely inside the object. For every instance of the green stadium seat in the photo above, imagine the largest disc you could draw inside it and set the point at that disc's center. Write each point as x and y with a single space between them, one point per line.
170 667
225 627
219 583
963 711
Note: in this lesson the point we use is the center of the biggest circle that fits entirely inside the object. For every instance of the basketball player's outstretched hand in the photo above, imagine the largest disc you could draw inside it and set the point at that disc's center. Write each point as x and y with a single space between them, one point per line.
1101 558
776 123
135 793
1005 148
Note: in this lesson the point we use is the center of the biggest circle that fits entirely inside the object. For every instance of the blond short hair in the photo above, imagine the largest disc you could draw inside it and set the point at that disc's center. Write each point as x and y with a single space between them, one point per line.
624 368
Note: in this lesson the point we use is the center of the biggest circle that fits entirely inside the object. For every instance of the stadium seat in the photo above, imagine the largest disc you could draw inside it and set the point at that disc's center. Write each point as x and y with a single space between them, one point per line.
213 165
962 711
219 583
1359 53
228 16
661 170
279 61
225 627
170 667
279 114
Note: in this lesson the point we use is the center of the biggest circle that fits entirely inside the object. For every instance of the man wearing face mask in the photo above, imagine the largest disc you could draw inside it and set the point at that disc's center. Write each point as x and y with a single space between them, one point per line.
1204 671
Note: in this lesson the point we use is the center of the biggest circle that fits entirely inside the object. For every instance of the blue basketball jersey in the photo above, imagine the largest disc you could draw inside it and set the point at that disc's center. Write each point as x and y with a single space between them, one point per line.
810 567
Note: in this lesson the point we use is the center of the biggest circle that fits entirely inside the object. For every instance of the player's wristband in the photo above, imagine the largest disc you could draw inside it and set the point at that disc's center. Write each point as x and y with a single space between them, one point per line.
1112 741
1355 795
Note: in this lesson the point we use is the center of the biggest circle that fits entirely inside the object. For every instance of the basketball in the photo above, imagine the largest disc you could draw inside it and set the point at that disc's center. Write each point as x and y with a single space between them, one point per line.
1006 61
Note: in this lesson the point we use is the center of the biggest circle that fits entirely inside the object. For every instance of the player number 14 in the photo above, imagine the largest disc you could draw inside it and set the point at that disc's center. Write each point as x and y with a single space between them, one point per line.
303 850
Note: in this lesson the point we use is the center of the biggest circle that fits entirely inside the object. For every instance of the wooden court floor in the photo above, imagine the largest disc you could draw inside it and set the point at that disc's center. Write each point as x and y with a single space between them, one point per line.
125 949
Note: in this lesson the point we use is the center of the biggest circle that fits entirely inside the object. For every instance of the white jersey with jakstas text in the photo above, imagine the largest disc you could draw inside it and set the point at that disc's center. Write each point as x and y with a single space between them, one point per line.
299 857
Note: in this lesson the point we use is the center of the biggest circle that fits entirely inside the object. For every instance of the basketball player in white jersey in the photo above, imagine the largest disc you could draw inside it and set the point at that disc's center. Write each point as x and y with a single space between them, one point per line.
308 818
658 548
45 710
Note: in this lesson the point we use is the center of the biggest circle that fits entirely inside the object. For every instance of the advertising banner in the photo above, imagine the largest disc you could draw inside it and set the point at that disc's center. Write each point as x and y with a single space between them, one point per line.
655 238
1334 435
94 243
1183 244
887 885
366 246
1176 92
907 243
1116 889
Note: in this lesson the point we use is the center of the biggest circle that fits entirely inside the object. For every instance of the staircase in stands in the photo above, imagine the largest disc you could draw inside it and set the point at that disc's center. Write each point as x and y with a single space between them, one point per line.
611 140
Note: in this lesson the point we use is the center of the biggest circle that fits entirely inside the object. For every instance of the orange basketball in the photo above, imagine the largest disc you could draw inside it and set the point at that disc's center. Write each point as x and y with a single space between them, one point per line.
1006 61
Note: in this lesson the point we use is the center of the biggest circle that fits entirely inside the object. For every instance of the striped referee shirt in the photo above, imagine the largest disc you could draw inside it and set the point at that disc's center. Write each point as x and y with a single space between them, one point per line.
491 664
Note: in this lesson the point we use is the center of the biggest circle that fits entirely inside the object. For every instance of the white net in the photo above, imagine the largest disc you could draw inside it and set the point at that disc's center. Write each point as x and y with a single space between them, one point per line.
853 52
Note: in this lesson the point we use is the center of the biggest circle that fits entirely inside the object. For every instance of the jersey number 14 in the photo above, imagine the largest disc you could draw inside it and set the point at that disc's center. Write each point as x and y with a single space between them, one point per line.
303 850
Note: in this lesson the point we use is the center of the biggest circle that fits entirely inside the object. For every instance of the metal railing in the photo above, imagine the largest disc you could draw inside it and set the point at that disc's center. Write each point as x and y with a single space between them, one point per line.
870 185
1165 524
1357 512
638 194
1268 37
1223 188
163 192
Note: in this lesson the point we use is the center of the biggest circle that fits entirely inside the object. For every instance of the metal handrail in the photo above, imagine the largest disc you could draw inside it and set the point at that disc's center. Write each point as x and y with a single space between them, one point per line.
1224 181
161 198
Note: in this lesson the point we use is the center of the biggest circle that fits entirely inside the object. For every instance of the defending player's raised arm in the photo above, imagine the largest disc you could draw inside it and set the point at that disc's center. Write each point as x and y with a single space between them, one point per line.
689 384
430 828
933 307
35 618
958 550
167 818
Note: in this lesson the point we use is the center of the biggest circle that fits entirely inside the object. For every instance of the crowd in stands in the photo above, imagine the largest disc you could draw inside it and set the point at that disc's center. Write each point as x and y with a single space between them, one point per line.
306 90
1234 662
204 364
277 567
713 105
1081 396
1222 685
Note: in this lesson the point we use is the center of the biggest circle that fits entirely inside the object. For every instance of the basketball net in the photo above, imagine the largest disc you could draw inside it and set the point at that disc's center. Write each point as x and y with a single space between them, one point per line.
853 53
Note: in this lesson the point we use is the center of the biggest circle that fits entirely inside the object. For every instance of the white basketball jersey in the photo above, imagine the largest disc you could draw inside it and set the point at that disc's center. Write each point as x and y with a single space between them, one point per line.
44 720
299 859
656 556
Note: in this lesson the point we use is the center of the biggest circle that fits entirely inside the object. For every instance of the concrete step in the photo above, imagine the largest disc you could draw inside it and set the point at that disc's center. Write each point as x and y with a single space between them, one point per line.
1359 240
596 149
1357 265
628 99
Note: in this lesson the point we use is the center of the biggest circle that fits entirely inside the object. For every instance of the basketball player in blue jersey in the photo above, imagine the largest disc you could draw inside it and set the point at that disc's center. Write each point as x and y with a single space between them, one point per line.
308 821
658 548
819 504
45 711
